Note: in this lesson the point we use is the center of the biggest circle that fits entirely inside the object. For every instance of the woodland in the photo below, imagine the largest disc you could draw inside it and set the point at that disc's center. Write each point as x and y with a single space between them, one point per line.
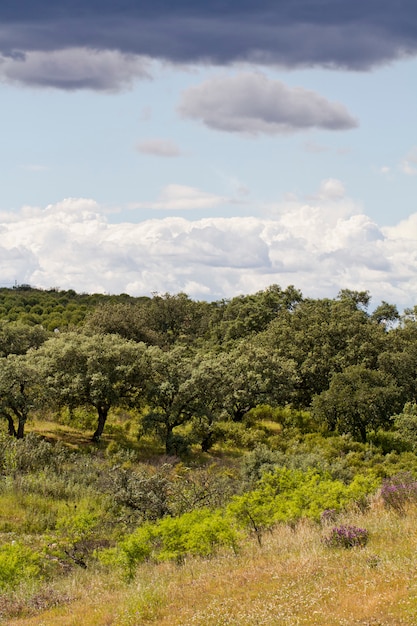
159 443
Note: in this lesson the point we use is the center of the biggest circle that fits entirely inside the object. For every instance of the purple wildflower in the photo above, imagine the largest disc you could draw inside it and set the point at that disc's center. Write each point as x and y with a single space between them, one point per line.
347 537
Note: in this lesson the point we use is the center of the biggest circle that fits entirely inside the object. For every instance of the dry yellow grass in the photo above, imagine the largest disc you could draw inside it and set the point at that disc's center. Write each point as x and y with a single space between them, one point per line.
292 579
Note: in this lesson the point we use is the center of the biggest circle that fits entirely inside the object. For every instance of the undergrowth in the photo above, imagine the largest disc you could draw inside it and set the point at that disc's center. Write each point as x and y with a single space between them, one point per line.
116 517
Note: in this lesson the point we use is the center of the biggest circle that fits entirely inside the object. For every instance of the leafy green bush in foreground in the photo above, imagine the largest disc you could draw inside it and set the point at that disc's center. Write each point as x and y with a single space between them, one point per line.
282 496
17 564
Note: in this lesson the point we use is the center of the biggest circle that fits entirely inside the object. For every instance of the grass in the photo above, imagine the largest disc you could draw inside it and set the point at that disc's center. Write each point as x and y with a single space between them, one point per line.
292 579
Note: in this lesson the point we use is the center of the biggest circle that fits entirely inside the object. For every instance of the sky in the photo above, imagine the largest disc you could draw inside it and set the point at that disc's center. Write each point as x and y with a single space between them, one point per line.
209 148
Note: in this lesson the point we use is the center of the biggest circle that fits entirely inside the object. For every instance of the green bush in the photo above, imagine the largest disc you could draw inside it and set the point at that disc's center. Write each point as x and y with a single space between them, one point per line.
17 565
30 454
239 435
198 533
287 495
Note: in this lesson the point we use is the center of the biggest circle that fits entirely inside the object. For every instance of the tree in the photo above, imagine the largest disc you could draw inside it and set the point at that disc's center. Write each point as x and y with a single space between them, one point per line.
129 320
325 337
170 394
253 374
399 357
246 315
97 370
357 401
209 383
19 391
357 299
386 314
18 338
177 319
406 425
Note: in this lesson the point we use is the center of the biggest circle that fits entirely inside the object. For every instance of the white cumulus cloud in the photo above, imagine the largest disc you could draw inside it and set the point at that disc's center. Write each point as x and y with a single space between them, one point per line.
409 164
320 247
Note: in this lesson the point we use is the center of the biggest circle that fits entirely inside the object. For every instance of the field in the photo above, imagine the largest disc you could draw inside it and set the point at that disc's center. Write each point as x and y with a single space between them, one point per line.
292 579
289 577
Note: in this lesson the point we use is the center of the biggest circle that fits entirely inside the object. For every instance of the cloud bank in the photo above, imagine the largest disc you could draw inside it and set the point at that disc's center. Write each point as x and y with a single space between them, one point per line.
75 68
320 247
250 103
291 33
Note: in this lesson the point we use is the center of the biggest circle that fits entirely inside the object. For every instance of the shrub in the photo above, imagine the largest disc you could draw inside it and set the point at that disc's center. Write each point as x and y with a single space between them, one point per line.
198 533
347 537
289 495
237 434
328 515
31 454
141 491
17 564
398 491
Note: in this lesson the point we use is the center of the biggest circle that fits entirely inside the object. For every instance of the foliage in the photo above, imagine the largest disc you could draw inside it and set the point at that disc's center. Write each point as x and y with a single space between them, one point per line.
31 454
406 425
97 370
346 537
170 395
200 532
358 400
51 309
18 338
143 491
251 375
324 337
127 319
17 564
399 491
19 391
288 495
244 316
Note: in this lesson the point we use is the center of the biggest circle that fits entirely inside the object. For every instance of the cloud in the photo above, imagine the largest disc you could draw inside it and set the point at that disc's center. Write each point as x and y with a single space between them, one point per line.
252 104
159 147
385 170
35 167
180 198
331 189
319 246
75 68
409 164
326 33
314 147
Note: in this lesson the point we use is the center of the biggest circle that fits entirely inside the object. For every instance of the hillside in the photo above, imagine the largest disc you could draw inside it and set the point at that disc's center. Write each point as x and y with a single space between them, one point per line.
167 461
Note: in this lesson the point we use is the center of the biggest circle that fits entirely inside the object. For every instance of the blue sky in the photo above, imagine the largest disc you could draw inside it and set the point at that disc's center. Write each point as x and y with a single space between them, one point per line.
210 150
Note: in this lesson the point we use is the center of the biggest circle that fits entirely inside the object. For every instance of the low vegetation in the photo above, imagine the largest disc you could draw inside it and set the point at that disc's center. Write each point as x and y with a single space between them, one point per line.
175 462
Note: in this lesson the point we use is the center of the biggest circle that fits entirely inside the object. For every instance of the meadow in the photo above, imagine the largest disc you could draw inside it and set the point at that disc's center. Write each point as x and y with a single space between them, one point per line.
75 517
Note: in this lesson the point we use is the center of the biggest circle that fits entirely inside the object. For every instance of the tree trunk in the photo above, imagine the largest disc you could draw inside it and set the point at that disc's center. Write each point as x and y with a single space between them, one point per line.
10 425
21 428
207 442
102 417
169 448
362 432
239 413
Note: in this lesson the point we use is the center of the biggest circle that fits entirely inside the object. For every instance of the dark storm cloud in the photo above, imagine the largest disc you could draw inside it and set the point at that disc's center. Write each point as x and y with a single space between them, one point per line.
354 34
75 68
